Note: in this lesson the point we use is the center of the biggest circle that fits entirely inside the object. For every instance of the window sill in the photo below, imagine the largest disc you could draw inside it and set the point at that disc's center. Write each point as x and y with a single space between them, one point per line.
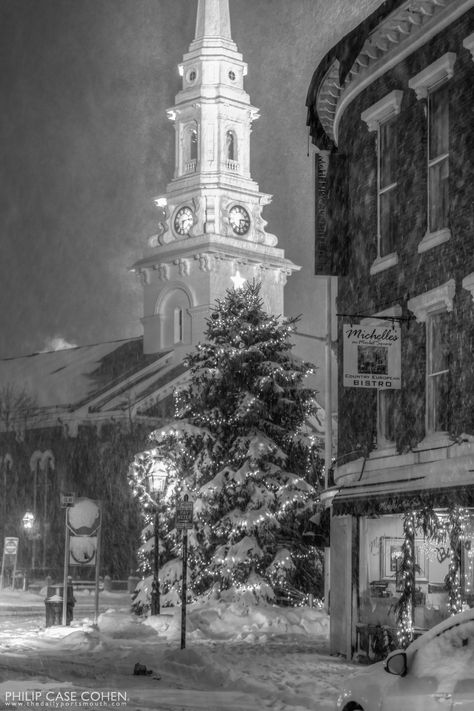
433 239
382 263
384 449
434 440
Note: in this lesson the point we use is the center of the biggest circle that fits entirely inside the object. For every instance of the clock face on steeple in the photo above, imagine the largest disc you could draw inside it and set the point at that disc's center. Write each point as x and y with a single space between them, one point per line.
183 220
239 219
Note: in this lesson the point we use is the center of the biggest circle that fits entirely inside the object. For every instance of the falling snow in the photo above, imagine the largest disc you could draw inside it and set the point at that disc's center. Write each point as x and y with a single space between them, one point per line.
238 657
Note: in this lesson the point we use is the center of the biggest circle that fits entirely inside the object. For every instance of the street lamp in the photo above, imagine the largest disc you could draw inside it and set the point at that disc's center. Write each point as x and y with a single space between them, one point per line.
156 484
28 521
29 526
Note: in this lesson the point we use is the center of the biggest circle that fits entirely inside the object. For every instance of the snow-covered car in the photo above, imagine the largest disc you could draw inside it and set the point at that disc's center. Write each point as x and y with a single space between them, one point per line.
436 671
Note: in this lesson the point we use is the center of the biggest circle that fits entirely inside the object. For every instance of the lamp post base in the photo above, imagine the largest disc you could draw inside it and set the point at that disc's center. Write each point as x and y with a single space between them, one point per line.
155 599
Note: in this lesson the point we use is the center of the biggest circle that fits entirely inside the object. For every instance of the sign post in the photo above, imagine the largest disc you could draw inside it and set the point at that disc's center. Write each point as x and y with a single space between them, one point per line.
10 550
83 526
67 500
184 520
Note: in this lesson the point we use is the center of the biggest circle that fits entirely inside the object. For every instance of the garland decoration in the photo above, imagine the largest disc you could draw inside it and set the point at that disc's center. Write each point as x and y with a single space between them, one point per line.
406 579
438 527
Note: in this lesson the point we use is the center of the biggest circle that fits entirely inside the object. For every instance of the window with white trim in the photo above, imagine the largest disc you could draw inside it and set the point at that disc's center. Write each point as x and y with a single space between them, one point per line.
386 419
433 309
387 400
438 158
432 85
381 117
437 372
387 188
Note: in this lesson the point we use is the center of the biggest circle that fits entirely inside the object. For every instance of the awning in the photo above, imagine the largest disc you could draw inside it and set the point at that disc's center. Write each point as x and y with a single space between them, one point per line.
379 498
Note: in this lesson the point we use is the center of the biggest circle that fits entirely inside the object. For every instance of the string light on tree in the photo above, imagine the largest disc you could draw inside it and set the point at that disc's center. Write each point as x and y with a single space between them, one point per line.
240 451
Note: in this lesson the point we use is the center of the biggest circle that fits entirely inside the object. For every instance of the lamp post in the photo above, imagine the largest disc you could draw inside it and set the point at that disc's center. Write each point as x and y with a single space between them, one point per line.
41 463
156 484
29 526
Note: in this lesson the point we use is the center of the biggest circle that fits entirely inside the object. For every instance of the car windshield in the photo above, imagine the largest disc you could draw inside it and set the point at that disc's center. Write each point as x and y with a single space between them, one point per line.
448 658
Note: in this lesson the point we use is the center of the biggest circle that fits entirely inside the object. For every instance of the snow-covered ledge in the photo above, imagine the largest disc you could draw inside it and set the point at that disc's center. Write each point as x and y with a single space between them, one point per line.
438 299
468 283
433 239
382 263
383 110
468 43
433 75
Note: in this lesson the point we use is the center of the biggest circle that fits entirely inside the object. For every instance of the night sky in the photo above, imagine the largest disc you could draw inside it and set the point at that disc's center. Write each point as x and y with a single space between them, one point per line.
86 145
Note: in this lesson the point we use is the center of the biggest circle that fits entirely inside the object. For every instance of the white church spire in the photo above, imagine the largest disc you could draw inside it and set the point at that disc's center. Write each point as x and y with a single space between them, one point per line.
210 228
213 19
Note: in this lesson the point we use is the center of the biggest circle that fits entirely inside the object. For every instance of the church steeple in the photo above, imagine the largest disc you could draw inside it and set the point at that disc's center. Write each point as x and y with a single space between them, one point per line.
210 226
213 20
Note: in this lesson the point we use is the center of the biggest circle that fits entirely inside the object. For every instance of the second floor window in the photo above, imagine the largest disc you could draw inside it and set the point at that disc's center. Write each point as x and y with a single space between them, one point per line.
387 188
437 372
438 158
385 418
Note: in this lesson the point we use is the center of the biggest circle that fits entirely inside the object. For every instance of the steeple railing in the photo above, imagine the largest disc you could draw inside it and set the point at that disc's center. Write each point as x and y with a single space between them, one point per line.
232 165
190 166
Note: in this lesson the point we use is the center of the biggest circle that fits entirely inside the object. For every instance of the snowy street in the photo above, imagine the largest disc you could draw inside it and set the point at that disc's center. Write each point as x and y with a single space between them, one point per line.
237 658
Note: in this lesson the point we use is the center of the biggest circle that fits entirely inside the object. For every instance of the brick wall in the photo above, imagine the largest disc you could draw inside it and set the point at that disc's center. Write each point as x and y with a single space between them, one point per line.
351 189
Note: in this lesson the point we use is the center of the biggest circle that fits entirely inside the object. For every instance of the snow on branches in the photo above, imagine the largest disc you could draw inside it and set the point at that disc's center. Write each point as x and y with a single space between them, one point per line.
239 450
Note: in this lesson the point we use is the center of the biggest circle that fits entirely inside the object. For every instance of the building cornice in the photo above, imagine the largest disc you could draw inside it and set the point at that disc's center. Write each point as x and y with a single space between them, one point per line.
397 36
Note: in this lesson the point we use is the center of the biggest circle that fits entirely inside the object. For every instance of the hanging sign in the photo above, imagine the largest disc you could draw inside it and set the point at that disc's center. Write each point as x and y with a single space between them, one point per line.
372 357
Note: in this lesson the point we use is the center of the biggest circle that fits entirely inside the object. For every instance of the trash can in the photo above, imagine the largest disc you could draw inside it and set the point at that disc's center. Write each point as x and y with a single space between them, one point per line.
54 605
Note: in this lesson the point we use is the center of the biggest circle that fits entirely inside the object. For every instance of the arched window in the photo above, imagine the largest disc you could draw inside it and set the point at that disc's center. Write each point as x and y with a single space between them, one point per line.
230 145
178 325
193 144
174 309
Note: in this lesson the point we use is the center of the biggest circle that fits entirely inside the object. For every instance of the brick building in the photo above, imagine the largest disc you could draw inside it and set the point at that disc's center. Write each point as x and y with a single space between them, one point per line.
391 111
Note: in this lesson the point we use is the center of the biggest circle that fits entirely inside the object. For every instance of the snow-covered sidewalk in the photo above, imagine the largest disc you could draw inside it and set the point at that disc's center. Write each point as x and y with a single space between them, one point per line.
238 658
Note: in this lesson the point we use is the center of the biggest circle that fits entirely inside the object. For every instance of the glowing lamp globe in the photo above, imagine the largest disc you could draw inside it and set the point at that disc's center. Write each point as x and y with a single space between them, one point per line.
157 477
28 521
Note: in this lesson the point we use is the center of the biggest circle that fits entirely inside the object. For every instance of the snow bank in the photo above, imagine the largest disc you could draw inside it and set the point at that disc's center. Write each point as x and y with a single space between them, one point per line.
220 620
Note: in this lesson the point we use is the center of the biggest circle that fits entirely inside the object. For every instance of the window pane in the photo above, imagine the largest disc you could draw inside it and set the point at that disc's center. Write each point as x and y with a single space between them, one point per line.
193 145
439 122
439 195
230 145
438 372
388 222
440 399
388 151
386 417
439 342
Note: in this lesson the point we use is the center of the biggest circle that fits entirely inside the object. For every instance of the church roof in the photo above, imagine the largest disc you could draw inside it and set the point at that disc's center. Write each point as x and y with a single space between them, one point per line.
69 378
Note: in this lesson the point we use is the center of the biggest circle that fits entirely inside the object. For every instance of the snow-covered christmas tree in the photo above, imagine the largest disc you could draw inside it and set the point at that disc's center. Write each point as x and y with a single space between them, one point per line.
239 449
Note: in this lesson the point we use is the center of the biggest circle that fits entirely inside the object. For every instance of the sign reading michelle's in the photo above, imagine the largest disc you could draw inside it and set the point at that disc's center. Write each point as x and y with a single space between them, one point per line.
372 357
